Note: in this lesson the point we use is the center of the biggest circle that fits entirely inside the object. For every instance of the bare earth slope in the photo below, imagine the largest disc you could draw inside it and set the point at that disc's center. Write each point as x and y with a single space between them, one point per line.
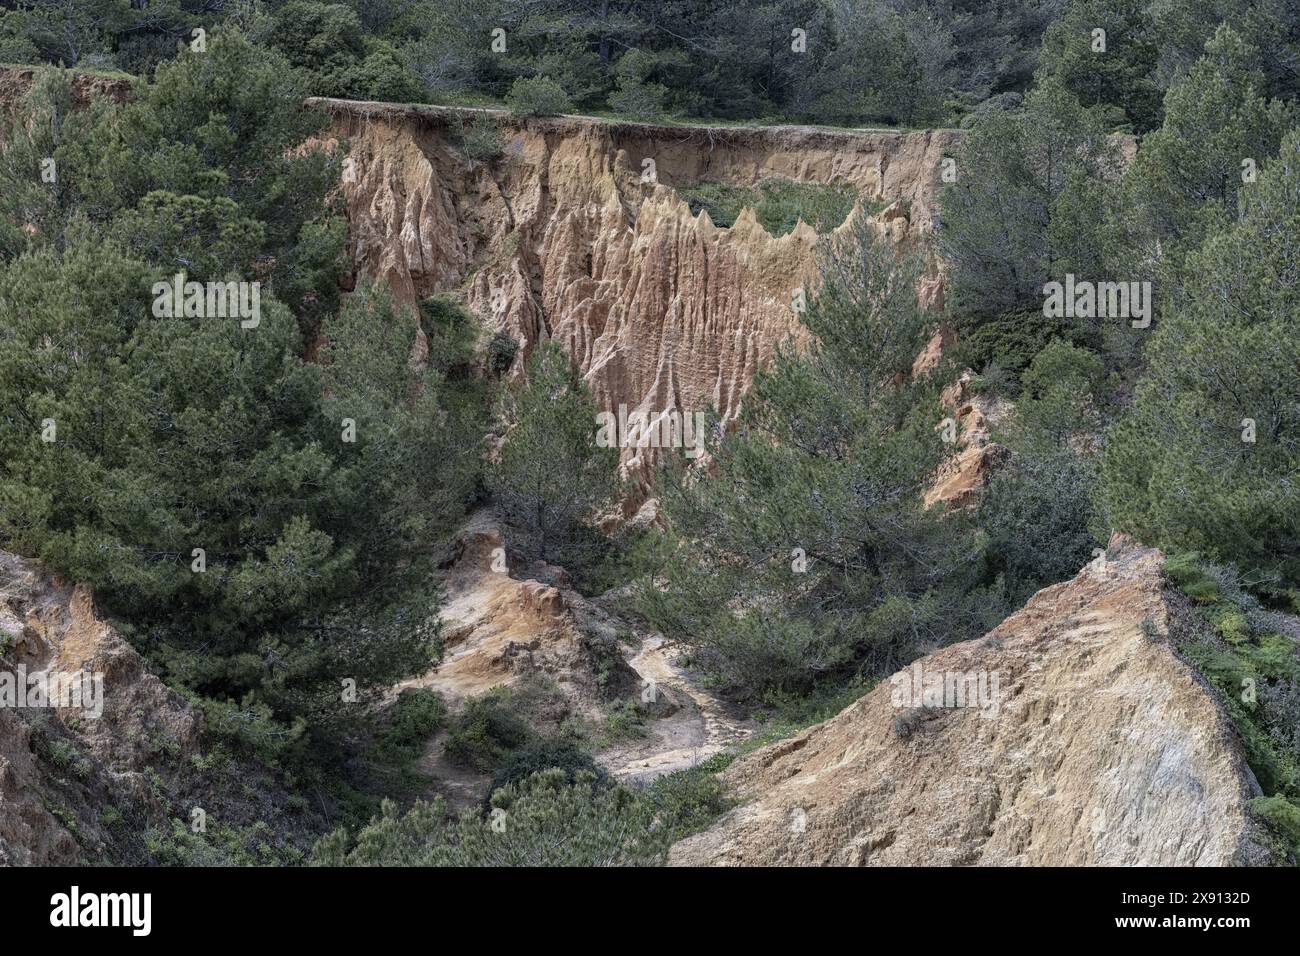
16 81
59 768
506 623
1105 749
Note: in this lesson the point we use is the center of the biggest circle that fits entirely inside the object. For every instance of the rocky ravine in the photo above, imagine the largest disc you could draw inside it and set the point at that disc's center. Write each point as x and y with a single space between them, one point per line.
566 237
963 475
505 623
1105 748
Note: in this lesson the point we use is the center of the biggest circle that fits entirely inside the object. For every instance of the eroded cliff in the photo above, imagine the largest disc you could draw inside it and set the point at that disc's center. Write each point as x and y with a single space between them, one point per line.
63 767
577 233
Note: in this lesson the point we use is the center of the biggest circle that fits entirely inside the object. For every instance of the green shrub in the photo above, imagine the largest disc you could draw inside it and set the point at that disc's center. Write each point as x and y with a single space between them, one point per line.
220 845
1036 513
1009 342
110 817
1256 674
690 800
382 75
338 57
18 50
635 96
481 140
66 757
543 820
416 715
1231 622
552 476
542 755
625 721
538 96
643 101
451 333
1284 817
1189 575
501 353
487 732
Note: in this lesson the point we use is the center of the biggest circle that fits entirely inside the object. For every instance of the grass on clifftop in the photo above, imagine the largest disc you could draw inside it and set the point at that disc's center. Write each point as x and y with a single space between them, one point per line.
89 71
778 203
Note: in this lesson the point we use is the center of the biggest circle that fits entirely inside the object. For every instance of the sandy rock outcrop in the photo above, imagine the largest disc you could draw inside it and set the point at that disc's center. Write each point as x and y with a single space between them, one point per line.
50 627
973 415
502 622
506 622
1096 745
576 234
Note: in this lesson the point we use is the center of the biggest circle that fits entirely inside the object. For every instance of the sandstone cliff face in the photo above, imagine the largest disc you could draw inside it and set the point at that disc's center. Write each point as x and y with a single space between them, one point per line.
964 474
576 234
567 237
59 767
1103 748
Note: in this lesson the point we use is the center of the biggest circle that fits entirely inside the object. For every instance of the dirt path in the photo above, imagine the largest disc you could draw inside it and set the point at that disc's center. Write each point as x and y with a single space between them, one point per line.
698 729
461 787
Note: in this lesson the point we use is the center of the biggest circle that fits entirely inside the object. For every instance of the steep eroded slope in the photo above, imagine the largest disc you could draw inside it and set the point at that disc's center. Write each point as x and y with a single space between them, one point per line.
1098 746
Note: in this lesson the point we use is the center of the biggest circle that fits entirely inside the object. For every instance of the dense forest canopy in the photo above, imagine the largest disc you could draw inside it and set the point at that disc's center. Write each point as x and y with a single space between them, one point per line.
846 62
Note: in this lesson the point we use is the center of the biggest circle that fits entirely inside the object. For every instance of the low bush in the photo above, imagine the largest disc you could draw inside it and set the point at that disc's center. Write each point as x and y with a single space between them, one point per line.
1256 674
481 140
545 819
416 715
538 96
487 732
558 754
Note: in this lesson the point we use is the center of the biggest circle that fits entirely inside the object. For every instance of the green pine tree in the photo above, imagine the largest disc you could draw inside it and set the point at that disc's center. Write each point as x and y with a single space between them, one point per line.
1112 69
552 478
1206 459
1016 176
1184 184
807 553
